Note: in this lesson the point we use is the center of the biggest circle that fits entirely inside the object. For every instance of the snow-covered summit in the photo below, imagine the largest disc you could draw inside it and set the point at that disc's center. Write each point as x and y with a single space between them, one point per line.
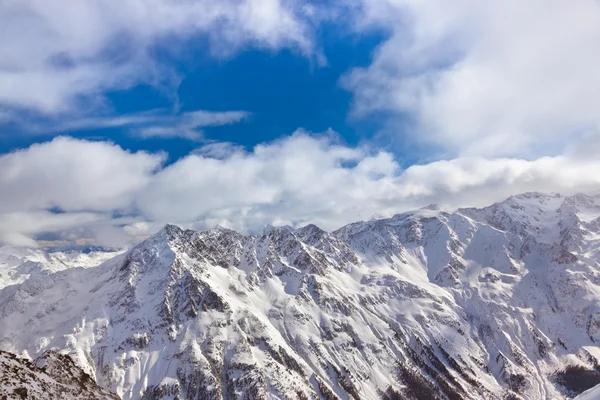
495 303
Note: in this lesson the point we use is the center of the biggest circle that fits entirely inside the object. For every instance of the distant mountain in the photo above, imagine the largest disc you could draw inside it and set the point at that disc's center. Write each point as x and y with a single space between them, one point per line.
18 264
497 303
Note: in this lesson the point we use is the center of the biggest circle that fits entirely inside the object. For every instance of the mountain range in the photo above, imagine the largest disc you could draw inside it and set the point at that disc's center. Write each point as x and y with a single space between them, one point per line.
501 302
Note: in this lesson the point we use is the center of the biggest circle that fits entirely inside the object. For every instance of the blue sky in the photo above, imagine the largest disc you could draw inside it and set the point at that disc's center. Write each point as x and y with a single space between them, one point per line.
281 90
116 118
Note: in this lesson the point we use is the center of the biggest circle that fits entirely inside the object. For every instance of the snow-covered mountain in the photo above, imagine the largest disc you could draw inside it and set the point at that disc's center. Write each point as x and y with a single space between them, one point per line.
18 264
494 303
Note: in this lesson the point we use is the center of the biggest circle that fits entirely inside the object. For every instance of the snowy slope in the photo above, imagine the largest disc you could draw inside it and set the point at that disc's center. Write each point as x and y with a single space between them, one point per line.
495 303
591 394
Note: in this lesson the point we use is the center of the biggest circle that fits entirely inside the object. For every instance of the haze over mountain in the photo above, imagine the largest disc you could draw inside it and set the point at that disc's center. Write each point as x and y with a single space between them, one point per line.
497 303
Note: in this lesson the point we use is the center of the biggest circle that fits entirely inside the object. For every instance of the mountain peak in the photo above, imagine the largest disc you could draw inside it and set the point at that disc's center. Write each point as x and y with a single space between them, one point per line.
219 227
420 305
534 196
171 230
433 207
311 228
268 228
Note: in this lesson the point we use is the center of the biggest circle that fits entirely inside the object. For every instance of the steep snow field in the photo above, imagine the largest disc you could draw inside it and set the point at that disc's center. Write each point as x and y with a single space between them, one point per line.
591 394
493 303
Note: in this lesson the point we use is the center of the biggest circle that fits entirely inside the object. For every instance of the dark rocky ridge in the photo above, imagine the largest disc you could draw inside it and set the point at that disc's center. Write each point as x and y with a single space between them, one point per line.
52 376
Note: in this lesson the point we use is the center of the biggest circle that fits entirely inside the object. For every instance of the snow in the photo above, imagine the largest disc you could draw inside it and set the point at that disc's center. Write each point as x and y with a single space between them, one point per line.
591 394
493 301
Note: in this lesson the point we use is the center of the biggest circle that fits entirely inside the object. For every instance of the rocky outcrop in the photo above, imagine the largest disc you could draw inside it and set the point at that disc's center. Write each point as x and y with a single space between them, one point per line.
50 376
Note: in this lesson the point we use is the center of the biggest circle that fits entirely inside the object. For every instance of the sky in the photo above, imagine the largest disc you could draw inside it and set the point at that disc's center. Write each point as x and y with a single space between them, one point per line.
119 117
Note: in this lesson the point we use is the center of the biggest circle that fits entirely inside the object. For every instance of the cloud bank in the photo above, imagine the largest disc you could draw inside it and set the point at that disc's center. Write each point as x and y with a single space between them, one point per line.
96 189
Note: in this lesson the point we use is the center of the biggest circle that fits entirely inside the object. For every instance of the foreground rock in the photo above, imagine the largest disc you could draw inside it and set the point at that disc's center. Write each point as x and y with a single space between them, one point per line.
51 376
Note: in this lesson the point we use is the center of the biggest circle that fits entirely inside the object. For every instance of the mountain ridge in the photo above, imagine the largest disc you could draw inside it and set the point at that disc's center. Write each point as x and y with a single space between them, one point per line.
499 302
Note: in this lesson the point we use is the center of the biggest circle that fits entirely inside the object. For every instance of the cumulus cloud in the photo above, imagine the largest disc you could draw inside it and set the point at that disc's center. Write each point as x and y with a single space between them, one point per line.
60 56
78 188
73 175
511 78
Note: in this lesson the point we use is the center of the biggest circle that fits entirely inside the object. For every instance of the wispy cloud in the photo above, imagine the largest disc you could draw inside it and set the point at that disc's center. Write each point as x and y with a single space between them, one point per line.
219 150
154 123
189 125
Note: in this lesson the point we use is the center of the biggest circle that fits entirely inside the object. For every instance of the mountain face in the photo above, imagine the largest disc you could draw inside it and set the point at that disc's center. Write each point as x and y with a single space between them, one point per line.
51 376
495 303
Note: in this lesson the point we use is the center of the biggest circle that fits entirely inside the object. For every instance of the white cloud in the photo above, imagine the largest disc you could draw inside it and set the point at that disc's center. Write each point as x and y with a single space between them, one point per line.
189 124
17 239
484 78
153 123
295 180
302 179
73 175
18 228
202 118
60 56
219 150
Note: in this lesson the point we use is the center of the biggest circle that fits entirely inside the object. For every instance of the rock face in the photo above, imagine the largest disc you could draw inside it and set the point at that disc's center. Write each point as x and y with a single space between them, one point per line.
51 376
496 303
